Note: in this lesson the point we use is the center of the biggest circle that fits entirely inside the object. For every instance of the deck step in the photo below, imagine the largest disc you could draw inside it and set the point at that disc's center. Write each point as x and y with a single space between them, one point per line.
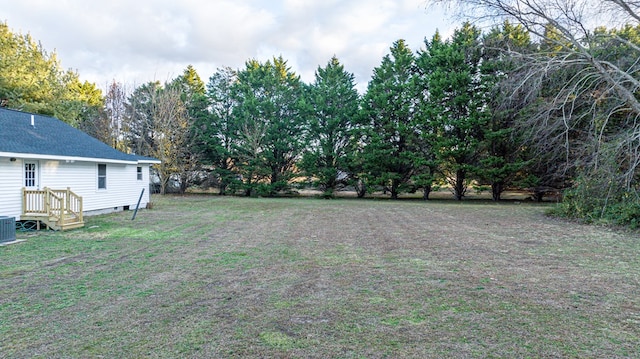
71 225
70 222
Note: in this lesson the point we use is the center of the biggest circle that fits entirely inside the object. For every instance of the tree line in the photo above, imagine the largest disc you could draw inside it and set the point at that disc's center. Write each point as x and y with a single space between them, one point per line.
530 103
428 118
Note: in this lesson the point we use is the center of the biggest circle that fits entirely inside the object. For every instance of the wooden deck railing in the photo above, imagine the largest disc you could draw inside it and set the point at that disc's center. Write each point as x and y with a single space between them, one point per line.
52 203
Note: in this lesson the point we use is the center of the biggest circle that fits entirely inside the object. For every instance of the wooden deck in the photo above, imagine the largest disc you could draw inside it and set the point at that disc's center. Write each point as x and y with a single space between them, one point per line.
60 210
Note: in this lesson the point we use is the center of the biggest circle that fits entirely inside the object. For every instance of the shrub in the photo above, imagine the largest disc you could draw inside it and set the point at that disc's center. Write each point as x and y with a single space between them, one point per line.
596 201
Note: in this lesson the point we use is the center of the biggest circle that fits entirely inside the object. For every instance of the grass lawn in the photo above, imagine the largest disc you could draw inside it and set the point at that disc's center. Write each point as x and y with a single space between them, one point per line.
212 277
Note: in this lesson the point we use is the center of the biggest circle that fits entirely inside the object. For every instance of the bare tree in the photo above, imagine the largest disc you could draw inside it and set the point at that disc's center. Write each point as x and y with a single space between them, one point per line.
114 113
171 128
157 125
109 122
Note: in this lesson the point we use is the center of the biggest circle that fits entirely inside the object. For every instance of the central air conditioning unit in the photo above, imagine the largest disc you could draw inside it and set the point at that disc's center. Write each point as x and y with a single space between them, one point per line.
7 229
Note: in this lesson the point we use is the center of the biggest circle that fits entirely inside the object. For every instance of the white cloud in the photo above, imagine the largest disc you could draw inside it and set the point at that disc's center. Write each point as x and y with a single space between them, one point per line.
136 42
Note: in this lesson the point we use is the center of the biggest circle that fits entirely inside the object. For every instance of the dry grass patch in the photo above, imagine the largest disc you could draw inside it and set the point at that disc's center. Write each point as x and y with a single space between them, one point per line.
203 276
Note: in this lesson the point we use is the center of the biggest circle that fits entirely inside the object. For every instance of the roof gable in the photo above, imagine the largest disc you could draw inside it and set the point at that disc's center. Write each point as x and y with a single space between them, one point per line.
51 137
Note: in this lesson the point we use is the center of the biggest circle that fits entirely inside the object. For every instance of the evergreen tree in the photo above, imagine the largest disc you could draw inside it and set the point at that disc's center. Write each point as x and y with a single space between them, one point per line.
388 111
334 104
217 133
503 157
31 79
191 89
271 115
426 158
458 94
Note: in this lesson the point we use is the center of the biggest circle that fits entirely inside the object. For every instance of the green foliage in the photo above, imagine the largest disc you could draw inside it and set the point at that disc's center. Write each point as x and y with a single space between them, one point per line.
388 112
456 112
458 95
333 102
192 96
189 83
32 80
270 114
216 133
503 156
594 199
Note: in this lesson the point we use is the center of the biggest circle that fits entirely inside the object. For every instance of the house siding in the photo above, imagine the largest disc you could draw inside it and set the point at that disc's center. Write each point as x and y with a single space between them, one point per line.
123 188
10 180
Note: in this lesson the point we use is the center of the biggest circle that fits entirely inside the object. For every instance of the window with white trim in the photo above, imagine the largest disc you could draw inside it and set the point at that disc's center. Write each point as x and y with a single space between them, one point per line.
139 173
30 174
102 176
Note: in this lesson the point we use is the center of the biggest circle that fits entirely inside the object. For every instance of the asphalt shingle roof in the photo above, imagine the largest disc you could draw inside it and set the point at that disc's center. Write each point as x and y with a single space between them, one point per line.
52 137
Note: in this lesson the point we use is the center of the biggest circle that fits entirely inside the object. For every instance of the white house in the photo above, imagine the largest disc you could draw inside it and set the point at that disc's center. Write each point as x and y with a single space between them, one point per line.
56 174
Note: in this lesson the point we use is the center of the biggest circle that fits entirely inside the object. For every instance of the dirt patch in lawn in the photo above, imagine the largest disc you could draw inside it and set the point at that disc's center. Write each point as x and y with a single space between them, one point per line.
203 276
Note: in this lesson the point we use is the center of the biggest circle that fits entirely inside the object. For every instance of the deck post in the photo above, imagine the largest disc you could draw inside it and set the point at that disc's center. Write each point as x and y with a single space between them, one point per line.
24 200
47 201
68 199
62 210
80 215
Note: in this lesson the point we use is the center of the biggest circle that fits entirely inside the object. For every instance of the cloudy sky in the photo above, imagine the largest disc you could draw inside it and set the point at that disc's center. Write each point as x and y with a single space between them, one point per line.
134 42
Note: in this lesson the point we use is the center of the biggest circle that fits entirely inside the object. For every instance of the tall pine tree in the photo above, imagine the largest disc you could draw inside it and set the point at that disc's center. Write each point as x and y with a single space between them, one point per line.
503 156
388 111
333 101
271 114
458 95
217 133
